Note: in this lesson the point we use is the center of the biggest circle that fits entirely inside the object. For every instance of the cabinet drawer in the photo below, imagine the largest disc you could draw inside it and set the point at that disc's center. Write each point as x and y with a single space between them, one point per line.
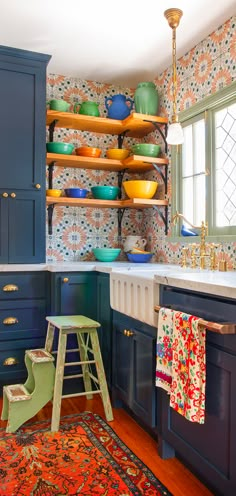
16 285
22 319
12 359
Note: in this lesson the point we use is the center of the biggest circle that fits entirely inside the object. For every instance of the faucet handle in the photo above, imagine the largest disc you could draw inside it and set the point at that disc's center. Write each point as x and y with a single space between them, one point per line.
184 257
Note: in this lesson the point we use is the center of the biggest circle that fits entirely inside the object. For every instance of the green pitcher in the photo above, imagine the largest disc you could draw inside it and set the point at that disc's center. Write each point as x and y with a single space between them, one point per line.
87 108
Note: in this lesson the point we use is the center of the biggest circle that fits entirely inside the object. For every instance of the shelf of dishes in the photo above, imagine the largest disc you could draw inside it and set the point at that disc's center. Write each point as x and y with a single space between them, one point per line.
135 163
139 203
135 125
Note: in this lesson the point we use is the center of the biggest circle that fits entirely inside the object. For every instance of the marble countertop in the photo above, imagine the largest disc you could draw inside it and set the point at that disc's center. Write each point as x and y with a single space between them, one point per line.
206 281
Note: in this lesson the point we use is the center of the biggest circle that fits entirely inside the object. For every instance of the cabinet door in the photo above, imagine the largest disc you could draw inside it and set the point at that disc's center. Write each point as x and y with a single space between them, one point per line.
3 228
122 365
26 223
74 294
143 377
209 448
22 124
104 317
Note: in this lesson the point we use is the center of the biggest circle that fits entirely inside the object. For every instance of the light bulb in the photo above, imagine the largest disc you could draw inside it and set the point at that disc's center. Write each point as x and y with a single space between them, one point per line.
175 135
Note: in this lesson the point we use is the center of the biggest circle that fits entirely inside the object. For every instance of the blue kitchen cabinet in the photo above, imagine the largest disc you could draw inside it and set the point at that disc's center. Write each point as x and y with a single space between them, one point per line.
133 378
24 304
23 155
104 317
74 293
209 449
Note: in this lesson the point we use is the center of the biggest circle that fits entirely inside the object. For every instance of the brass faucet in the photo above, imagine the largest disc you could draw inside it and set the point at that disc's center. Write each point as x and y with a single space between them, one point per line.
206 251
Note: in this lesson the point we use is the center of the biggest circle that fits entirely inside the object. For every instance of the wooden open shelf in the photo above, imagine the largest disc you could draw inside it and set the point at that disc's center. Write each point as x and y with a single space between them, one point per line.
87 202
135 124
134 163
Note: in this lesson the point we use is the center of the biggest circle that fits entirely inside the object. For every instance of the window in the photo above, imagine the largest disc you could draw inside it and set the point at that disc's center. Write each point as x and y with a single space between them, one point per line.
204 176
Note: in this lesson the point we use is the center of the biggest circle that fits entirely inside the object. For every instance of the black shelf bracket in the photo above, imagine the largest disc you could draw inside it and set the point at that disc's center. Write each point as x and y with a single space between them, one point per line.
50 175
158 128
120 214
163 217
51 129
163 176
121 138
50 214
120 175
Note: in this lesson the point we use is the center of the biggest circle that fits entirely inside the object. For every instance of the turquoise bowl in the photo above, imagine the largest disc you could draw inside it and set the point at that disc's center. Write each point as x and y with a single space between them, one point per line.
106 254
146 149
59 147
105 192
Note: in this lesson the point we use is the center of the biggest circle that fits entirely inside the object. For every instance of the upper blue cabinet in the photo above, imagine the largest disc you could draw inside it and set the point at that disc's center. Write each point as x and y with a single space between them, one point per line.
23 155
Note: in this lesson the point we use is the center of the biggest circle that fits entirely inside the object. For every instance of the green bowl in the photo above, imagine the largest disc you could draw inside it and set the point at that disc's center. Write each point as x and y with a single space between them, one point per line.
146 149
105 192
59 147
106 254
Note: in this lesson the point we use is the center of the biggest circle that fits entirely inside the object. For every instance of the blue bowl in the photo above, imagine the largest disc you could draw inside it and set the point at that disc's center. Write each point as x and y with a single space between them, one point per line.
139 257
76 192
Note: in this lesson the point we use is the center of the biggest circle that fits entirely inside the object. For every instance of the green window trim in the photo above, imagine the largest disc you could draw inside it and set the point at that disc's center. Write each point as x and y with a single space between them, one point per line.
208 105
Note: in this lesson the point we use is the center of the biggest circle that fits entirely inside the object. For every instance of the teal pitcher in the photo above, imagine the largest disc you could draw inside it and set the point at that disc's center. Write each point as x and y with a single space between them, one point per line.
119 108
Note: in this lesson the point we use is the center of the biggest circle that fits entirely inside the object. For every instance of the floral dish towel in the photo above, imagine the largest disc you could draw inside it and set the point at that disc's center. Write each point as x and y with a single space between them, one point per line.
181 362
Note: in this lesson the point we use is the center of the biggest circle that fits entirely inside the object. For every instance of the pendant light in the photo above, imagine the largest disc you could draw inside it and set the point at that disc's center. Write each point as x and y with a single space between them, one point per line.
175 135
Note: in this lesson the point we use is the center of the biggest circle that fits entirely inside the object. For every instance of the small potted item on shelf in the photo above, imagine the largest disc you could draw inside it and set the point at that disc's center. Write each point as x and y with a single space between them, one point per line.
60 105
87 108
118 108
59 147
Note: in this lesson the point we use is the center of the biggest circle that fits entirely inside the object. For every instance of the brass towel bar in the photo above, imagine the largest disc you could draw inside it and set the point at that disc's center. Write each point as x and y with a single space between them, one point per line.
224 328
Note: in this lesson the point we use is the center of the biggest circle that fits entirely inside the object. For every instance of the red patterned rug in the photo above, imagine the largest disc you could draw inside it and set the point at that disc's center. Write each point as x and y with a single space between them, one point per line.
85 457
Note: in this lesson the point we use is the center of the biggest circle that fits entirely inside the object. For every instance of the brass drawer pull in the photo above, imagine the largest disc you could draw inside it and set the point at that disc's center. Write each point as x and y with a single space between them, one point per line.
38 186
66 279
13 195
5 195
10 321
10 361
10 287
128 333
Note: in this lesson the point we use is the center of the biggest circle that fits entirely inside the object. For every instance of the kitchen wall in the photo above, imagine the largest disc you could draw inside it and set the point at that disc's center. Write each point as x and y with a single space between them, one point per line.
205 69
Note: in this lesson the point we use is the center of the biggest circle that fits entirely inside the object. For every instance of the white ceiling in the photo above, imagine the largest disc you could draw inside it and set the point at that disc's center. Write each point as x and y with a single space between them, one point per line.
121 42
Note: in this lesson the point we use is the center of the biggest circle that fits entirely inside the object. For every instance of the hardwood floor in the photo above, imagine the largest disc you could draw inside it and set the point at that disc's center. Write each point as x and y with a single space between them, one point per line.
172 473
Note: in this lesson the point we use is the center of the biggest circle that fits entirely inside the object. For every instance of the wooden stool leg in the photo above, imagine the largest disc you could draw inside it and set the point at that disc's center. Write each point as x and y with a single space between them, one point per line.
83 347
56 409
101 375
49 337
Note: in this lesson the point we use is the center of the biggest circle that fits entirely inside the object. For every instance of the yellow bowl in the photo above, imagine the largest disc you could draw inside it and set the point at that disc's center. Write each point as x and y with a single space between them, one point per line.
140 189
117 153
53 192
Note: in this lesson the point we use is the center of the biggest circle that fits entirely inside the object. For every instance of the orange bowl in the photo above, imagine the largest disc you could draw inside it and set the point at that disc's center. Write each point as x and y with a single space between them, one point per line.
88 151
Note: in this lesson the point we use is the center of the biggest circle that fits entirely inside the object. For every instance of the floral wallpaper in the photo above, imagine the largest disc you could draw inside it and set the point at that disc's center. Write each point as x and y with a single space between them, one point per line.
205 69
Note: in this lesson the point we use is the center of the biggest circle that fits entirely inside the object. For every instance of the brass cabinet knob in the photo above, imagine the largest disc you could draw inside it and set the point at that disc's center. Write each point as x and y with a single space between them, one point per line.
65 279
13 195
10 287
38 186
10 321
128 333
5 195
10 361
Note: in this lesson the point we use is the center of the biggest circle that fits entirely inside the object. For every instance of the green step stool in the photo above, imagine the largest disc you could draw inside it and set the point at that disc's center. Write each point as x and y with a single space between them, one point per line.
89 353
22 401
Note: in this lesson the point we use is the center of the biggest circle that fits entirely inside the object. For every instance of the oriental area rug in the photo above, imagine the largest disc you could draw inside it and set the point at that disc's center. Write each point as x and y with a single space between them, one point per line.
85 457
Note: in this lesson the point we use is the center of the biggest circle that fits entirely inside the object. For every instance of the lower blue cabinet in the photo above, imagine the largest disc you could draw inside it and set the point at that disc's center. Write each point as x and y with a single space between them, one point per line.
104 317
133 378
23 308
208 449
